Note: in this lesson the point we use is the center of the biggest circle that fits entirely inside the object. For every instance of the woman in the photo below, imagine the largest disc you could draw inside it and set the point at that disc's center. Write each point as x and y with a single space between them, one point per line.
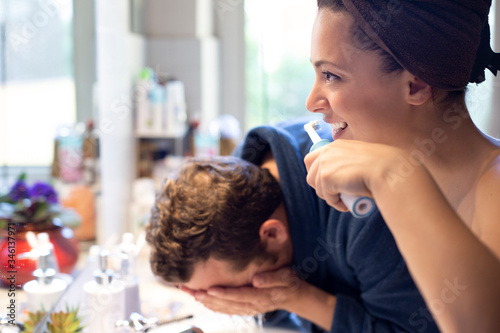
391 78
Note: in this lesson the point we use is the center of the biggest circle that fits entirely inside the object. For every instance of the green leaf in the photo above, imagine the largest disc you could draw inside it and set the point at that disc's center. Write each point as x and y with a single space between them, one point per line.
70 217
19 218
22 176
5 198
74 326
41 211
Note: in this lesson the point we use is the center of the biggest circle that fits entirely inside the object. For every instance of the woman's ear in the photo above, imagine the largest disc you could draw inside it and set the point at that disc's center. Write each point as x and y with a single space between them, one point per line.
419 92
274 234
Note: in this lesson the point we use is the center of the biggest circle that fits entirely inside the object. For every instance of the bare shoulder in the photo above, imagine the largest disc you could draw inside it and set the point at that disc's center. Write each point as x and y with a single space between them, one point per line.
487 203
489 181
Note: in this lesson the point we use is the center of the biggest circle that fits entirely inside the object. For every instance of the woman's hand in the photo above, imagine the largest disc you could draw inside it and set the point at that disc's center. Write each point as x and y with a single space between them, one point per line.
351 167
270 291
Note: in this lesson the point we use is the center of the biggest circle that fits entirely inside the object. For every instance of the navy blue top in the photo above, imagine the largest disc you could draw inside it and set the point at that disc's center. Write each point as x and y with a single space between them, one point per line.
356 260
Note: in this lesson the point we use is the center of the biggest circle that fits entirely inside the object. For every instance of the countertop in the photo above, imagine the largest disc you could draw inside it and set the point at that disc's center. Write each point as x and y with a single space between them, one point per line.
157 300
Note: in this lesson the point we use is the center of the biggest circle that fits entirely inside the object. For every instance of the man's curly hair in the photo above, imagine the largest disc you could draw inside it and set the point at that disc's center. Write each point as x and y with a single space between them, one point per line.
213 207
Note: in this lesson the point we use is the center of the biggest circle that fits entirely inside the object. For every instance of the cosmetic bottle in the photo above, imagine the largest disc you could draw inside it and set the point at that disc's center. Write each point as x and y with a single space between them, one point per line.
157 101
144 83
44 292
70 152
128 275
44 245
105 298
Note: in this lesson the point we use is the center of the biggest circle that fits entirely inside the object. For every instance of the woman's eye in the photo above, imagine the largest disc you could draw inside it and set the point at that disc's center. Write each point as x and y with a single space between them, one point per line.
330 76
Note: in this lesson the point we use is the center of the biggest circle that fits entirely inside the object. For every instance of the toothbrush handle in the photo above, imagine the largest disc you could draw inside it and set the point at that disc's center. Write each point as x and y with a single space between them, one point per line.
359 206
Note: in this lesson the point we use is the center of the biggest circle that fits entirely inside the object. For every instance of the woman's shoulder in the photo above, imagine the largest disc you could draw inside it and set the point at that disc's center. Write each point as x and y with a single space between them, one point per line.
486 222
487 194
490 174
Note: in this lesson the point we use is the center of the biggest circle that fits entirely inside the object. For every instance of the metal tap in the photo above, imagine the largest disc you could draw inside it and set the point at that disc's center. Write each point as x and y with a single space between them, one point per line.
138 323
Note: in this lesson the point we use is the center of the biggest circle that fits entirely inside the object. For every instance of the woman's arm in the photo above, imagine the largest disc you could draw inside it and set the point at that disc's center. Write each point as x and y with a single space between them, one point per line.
456 273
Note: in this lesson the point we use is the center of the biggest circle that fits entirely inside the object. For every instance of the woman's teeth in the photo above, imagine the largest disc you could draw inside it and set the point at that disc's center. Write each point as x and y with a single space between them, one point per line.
337 127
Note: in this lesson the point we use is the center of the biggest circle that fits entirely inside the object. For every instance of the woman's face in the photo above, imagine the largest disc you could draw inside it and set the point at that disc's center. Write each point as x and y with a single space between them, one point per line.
350 89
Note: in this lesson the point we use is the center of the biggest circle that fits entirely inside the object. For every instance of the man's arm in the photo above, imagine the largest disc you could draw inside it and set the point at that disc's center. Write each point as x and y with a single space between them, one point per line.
386 298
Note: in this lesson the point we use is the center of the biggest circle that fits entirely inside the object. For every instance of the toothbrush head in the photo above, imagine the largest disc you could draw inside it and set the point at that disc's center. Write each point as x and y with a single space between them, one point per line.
312 125
315 124
311 128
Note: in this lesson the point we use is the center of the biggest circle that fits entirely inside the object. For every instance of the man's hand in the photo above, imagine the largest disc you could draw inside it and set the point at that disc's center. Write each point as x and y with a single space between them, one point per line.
270 291
277 290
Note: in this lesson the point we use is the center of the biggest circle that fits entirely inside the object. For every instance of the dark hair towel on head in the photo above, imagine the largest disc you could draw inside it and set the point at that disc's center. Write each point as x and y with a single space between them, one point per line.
445 43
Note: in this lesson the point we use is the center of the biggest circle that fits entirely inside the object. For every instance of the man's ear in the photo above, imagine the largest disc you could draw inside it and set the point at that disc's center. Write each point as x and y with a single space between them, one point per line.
419 92
274 234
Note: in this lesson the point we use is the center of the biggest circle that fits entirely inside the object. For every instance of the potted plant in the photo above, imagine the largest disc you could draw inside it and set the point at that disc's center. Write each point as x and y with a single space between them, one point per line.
60 322
34 208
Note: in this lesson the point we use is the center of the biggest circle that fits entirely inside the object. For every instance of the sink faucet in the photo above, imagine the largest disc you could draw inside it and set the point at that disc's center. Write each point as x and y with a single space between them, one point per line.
138 323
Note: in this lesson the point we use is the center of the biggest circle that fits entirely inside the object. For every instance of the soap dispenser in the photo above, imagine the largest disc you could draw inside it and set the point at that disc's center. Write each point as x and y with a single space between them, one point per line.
127 274
44 244
44 292
105 297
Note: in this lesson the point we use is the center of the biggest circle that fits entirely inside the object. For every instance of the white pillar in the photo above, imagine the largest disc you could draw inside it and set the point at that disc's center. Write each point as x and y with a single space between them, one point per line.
119 57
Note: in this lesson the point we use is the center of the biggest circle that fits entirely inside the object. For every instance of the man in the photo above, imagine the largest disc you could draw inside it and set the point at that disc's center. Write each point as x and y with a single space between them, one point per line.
227 232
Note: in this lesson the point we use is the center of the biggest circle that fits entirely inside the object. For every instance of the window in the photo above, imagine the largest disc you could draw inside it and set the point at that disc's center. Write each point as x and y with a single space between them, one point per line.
278 71
37 91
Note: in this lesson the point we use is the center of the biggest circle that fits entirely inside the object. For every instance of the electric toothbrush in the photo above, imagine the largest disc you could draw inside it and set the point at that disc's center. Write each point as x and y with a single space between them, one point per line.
359 206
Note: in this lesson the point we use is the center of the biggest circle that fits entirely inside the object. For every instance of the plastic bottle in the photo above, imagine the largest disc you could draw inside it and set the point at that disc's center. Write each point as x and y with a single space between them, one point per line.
45 246
90 154
44 292
105 298
157 102
70 153
128 275
143 86
42 246
175 116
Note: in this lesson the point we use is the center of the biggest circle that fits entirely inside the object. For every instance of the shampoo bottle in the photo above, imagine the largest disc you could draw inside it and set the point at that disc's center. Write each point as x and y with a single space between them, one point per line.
105 297
44 292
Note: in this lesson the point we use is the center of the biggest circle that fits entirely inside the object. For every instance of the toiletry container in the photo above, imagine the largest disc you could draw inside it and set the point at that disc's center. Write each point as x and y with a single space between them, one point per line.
144 118
44 245
128 275
105 298
44 292
157 101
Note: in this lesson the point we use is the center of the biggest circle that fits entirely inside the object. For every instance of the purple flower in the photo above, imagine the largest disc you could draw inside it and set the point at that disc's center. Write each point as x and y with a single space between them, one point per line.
44 190
18 191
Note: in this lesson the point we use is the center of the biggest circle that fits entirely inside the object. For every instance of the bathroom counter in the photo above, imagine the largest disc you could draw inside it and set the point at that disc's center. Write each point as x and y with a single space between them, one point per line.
163 301
157 300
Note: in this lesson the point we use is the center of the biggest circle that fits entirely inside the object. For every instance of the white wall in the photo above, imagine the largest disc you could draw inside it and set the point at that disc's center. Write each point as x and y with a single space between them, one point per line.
195 62
493 126
483 100
180 43
84 57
